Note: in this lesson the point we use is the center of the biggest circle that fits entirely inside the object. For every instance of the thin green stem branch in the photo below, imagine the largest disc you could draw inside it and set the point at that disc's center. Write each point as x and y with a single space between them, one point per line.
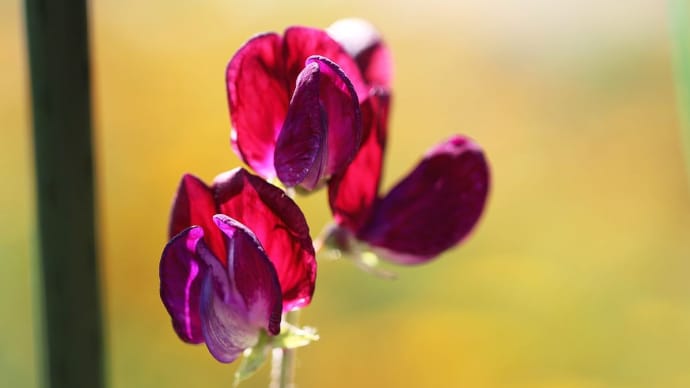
284 360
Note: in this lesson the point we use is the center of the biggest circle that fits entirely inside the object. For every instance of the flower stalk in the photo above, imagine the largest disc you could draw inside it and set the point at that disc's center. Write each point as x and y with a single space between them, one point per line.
284 360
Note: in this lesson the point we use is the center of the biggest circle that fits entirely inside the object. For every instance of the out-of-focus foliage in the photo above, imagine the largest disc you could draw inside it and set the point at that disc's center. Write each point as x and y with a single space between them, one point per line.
576 276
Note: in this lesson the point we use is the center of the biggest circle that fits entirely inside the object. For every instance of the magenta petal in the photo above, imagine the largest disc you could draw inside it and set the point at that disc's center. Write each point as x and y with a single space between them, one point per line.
258 99
434 207
302 42
363 42
279 225
182 270
194 205
322 129
352 194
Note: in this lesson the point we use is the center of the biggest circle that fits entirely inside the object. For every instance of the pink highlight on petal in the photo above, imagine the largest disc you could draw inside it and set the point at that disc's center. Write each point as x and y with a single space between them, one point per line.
180 274
193 272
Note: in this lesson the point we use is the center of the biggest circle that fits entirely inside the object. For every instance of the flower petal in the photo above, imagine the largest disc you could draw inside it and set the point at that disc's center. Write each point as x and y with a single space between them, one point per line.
184 264
279 225
236 304
301 147
352 194
322 129
258 100
302 42
253 275
434 207
225 327
363 42
194 205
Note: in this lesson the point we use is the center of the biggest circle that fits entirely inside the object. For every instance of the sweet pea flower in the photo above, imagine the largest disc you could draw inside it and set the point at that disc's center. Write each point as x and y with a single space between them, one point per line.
240 256
430 210
212 299
294 106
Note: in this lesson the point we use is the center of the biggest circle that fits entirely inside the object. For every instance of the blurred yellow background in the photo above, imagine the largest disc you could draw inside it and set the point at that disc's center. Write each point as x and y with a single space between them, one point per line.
577 276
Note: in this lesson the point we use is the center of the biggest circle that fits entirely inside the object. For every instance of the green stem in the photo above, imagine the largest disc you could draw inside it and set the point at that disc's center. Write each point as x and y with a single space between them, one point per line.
283 362
72 341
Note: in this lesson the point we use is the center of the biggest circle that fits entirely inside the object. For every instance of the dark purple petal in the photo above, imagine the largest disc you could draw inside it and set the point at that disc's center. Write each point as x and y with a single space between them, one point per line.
194 205
185 262
434 207
279 225
236 304
299 43
352 194
253 275
363 42
322 129
226 329
258 97
301 147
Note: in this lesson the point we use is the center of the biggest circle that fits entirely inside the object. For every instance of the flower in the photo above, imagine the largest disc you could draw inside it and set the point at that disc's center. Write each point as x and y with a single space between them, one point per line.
276 220
430 210
211 299
294 106
240 255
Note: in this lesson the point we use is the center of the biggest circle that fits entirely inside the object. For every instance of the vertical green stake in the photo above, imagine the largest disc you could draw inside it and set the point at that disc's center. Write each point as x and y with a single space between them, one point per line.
72 351
679 19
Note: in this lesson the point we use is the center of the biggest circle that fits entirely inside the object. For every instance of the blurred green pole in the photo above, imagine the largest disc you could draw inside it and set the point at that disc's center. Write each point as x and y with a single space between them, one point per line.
679 18
72 348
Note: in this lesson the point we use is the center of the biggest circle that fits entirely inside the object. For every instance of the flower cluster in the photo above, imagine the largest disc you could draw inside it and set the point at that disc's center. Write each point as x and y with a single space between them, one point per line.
309 109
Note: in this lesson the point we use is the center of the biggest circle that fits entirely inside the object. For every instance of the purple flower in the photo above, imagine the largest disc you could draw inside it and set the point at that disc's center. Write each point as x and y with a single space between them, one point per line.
430 210
225 279
294 106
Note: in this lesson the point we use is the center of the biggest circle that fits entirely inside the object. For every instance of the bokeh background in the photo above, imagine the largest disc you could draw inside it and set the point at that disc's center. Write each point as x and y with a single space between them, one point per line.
577 275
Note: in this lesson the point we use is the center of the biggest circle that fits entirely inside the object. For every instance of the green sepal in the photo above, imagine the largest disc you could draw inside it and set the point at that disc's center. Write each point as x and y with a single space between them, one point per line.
369 262
253 358
340 243
291 336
